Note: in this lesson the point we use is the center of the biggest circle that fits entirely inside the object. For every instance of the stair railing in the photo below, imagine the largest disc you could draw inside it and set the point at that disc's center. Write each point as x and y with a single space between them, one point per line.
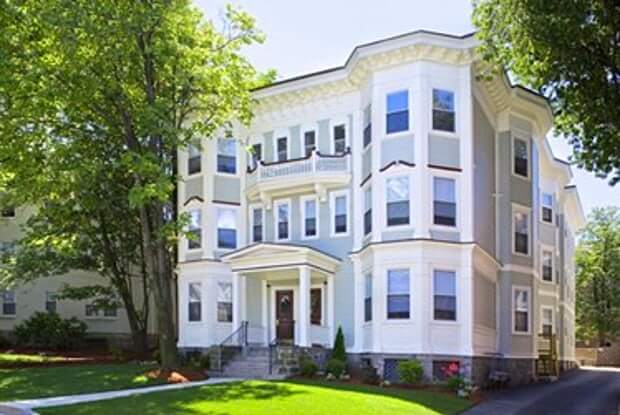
241 334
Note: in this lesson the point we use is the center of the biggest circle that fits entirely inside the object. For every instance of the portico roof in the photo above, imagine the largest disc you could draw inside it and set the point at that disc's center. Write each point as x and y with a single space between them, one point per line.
271 256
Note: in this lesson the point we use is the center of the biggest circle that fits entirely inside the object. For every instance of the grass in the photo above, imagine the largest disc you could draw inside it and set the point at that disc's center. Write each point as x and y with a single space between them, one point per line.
275 398
42 382
12 359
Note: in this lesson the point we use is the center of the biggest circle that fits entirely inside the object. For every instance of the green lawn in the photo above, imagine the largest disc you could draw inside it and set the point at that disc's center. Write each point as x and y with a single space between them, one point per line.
40 382
275 398
12 359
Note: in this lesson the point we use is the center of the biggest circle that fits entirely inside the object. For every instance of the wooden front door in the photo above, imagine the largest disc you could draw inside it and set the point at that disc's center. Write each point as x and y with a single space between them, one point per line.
285 325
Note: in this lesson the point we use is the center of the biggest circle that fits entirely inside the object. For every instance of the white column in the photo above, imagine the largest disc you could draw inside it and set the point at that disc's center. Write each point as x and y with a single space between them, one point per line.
236 298
264 311
330 308
244 297
358 301
304 307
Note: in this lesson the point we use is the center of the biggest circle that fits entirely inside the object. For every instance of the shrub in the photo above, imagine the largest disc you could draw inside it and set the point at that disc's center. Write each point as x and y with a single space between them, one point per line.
339 351
336 367
410 371
49 331
370 375
5 343
307 366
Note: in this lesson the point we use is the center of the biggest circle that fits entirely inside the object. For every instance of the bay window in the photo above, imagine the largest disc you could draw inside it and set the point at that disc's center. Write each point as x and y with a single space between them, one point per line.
397 112
397 201
194 306
194 237
226 228
521 310
224 302
444 204
443 110
444 295
226 155
398 294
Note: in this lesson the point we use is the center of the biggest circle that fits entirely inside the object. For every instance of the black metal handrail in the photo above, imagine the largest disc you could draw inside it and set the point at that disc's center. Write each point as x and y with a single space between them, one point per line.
345 153
241 332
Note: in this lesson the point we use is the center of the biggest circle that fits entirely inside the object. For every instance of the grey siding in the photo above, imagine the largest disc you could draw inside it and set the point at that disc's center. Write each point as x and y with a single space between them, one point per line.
517 344
227 189
443 151
484 181
193 188
484 302
399 148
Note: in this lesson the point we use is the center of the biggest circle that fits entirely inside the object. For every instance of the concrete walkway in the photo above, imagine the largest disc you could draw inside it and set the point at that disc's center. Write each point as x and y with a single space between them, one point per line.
24 407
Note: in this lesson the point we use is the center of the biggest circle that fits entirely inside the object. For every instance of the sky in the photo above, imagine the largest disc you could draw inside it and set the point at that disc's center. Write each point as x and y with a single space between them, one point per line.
309 35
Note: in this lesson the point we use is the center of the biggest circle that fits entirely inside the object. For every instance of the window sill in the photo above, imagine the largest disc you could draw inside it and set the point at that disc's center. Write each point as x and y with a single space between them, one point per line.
518 176
451 323
100 318
398 134
519 254
8 316
398 227
444 228
447 134
193 175
521 333
224 174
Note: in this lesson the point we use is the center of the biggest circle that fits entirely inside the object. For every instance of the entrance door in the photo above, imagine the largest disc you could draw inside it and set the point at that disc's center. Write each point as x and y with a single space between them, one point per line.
285 325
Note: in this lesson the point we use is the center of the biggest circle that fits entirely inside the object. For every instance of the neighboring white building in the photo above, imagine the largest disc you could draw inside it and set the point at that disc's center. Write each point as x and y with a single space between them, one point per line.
397 197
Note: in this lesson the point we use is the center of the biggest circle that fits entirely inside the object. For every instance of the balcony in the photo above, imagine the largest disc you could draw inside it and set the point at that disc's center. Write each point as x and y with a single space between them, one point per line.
316 172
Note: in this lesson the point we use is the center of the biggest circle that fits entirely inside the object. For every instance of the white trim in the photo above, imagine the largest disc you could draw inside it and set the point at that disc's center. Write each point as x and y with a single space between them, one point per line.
528 289
527 211
276 204
518 135
547 307
8 316
332 213
337 121
302 208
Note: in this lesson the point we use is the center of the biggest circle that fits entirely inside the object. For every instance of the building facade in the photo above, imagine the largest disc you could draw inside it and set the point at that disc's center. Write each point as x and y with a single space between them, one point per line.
397 197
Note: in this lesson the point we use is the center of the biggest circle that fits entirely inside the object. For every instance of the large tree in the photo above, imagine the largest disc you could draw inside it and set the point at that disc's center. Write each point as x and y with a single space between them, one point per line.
141 78
598 276
570 52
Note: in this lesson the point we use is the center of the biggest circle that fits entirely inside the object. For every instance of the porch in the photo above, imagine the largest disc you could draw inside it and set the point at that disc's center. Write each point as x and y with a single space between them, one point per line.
282 294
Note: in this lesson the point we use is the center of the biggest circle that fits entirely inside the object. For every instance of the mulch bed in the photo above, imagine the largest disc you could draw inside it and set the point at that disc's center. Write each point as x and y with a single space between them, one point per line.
177 376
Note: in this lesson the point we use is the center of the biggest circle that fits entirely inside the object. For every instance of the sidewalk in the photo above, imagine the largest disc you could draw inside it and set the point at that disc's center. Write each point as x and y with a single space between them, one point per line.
25 406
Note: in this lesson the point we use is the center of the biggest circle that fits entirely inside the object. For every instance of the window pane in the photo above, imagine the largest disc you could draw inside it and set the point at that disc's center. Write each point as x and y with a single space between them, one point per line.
398 281
310 218
194 311
520 157
398 306
521 323
367 126
194 291
224 291
309 142
339 139
445 283
521 223
224 312
257 217
341 223
397 121
521 300
282 145
310 209
283 221
398 213
367 222
315 306
226 219
443 100
397 101
444 189
194 219
226 155
398 189
444 213
227 238
547 200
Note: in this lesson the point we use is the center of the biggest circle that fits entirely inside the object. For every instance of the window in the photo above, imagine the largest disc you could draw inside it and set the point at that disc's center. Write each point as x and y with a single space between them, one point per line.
91 310
367 126
257 225
398 294
368 297
340 139
397 114
256 155
547 207
9 306
282 148
193 159
547 321
7 247
520 155
195 302
226 155
226 228
8 212
397 201
444 204
443 110
309 214
283 220
367 210
316 306
521 309
521 232
444 295
50 302
224 302
110 311
194 234
547 265
94 311
309 142
340 214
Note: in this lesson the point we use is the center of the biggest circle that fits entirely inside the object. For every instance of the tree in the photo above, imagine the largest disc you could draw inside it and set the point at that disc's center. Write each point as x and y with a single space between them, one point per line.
138 79
570 52
339 352
598 276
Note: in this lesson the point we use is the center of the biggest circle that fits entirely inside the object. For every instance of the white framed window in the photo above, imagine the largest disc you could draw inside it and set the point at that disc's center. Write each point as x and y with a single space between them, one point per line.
444 295
367 210
194 302
194 231
226 228
520 157
368 297
547 207
282 148
309 217
282 220
339 138
7 212
521 230
339 202
193 159
444 113
257 220
546 321
224 302
444 201
397 203
546 263
94 311
398 304
9 303
309 144
255 156
227 155
521 304
51 305
367 125
397 112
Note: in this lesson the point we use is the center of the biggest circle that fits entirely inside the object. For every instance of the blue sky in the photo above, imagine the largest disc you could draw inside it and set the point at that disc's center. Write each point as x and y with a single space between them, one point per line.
306 36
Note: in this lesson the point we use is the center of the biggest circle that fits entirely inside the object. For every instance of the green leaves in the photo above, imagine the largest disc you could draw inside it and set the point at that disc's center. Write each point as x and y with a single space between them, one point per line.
570 52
